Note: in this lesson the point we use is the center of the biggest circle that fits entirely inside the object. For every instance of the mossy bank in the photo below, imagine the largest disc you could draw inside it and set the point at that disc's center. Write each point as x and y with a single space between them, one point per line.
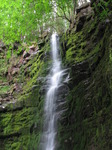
21 119
87 123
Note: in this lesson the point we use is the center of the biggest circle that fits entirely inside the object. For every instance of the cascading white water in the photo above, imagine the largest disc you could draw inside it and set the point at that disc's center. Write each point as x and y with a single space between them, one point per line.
49 133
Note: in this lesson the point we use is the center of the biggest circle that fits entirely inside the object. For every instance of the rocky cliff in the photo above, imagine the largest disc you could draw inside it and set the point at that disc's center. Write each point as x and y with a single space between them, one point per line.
87 51
22 94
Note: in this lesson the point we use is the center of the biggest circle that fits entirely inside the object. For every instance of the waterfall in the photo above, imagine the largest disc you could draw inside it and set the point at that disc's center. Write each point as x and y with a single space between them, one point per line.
48 141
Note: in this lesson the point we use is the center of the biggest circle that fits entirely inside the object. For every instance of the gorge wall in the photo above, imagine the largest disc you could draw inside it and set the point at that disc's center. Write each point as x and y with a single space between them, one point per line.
87 51
86 124
21 116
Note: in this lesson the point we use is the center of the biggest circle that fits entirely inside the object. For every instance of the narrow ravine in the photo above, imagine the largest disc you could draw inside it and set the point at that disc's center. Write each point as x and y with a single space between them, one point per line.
50 109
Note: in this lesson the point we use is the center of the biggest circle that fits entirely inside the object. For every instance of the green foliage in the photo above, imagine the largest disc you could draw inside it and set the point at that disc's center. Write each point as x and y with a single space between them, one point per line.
21 18
25 20
4 89
8 54
19 50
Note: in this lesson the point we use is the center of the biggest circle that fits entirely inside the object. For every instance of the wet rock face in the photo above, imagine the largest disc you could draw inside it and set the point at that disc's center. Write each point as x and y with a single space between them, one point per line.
62 93
86 51
80 72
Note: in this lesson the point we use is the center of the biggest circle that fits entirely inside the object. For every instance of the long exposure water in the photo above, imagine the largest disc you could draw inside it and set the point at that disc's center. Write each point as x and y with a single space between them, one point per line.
50 120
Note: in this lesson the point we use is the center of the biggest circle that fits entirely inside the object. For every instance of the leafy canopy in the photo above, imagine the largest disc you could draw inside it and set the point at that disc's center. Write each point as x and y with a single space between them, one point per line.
23 19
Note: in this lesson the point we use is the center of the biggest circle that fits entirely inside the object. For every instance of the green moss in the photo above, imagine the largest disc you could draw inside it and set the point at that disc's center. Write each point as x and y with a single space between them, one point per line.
37 68
88 105
4 89
22 127
21 124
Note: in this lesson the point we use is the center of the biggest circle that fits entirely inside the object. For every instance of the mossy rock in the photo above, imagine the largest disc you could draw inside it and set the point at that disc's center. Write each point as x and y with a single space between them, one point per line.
88 115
